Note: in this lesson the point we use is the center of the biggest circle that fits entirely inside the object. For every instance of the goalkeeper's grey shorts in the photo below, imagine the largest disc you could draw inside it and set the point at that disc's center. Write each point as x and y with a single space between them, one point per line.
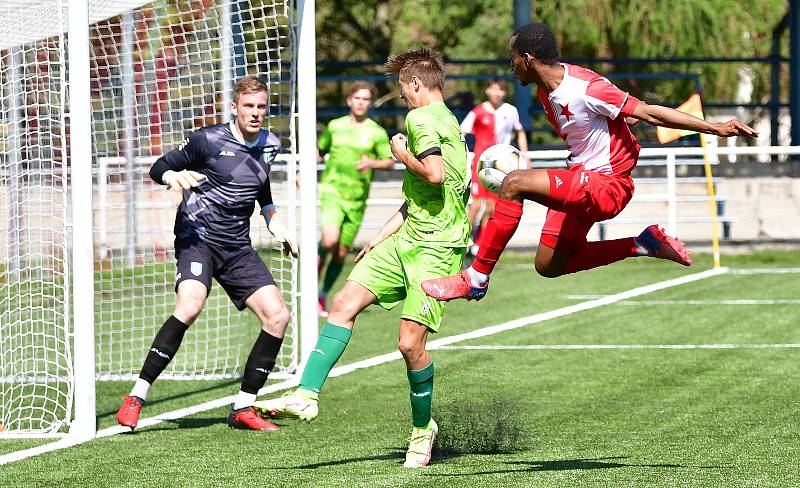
240 271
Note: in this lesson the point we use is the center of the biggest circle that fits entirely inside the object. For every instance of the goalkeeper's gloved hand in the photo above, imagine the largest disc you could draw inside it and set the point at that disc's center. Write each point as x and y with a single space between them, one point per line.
182 180
278 231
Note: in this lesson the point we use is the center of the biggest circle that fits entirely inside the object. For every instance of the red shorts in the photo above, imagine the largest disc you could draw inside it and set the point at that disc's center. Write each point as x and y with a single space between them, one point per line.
578 199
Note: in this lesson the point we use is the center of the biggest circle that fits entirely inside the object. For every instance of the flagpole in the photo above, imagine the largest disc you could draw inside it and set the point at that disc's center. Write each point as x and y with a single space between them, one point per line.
712 201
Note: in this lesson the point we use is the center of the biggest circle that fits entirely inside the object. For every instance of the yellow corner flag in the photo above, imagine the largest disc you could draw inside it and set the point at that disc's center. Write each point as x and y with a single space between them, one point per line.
692 106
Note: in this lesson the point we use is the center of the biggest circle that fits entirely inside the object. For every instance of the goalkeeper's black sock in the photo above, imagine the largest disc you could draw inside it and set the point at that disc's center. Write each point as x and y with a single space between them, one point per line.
259 364
165 345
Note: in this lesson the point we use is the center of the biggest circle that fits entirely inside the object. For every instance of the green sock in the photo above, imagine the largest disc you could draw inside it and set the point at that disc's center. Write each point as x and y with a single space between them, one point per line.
330 346
331 274
421 381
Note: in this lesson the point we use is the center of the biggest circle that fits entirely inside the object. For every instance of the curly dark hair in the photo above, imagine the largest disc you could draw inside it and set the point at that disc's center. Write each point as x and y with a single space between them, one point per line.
537 40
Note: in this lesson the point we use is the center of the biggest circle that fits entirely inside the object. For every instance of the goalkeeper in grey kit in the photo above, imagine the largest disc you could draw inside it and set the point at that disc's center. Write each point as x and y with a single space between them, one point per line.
222 171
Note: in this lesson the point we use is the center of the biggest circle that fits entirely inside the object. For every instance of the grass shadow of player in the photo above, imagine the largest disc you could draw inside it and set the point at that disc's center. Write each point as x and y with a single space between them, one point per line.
564 465
397 453
188 423
149 403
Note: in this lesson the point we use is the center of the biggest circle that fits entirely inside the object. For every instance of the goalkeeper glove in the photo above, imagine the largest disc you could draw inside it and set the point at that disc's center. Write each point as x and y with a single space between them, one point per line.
278 231
182 180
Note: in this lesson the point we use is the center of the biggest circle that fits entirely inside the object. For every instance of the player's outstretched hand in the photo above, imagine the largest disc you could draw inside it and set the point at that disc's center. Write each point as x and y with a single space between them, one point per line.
182 180
367 248
734 127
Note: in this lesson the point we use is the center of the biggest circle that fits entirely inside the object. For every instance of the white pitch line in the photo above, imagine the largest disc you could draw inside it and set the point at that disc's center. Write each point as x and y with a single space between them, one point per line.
547 347
711 302
374 361
752 271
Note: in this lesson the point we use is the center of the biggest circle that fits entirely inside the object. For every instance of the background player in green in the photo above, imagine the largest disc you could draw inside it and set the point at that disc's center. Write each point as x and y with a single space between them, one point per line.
355 145
427 237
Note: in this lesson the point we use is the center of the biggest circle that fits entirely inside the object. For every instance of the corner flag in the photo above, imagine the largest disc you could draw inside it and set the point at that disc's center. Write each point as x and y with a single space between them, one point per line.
692 106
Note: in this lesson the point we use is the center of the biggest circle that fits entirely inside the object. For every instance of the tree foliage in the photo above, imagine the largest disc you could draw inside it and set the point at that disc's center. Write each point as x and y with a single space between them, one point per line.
479 29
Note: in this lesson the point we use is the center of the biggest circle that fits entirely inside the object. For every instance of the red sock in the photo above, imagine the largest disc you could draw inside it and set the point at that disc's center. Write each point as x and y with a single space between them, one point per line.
600 253
496 234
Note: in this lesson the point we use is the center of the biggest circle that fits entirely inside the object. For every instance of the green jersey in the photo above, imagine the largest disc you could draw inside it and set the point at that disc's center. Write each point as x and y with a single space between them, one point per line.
437 214
345 142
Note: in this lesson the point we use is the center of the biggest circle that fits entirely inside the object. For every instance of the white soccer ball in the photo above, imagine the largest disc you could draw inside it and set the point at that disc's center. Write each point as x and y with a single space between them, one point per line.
496 162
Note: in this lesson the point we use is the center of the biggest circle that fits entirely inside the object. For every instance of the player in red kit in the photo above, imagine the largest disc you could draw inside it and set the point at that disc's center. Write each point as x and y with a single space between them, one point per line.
491 122
589 113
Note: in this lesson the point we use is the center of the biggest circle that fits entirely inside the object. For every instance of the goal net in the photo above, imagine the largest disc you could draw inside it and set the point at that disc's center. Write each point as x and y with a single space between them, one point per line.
159 70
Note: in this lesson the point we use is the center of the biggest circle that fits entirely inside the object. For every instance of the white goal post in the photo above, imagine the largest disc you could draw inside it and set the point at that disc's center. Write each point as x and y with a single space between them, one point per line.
86 254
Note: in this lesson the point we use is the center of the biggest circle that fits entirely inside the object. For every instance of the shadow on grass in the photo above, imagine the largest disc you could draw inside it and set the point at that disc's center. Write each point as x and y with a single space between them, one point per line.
397 453
187 423
150 403
566 465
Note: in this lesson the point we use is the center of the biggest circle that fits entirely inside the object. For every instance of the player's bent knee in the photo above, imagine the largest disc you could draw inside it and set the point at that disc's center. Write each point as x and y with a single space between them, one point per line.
513 184
342 305
410 348
547 270
277 321
187 309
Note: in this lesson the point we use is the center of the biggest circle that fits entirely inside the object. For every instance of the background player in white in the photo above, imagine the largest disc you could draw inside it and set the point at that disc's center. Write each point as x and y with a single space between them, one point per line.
222 171
589 113
491 122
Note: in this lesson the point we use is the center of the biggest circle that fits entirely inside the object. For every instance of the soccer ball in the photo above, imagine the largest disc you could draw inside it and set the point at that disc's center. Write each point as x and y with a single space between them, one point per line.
496 162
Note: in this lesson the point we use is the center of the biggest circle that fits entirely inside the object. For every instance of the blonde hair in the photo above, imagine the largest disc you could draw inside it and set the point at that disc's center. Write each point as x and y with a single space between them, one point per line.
248 84
424 63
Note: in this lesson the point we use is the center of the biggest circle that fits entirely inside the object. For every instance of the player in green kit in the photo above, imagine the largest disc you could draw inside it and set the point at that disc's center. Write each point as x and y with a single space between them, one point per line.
426 238
355 145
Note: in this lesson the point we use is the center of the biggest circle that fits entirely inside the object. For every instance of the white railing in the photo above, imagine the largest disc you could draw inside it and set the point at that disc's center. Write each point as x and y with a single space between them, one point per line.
387 193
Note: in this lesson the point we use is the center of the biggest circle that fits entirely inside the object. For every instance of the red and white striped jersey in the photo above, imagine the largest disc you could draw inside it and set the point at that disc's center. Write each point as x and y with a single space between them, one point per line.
491 126
589 112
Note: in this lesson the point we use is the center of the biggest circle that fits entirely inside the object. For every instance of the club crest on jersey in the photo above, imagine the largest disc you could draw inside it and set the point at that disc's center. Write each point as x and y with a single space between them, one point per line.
268 155
196 268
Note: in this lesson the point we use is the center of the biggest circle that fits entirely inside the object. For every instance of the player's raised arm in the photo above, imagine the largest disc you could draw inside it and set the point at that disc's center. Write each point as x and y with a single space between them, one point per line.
669 117
428 166
175 169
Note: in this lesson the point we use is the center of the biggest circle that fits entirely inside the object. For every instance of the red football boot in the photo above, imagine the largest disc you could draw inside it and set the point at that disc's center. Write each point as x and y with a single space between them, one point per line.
662 246
247 418
452 287
128 413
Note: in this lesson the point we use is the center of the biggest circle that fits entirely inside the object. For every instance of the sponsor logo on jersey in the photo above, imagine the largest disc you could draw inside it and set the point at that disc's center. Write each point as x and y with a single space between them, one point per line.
196 268
227 153
558 181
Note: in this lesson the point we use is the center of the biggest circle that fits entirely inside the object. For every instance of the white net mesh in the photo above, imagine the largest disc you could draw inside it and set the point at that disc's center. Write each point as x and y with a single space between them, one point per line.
158 71
35 366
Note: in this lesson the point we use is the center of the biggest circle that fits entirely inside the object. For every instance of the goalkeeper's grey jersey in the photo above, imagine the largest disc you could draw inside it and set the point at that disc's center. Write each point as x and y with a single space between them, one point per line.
218 211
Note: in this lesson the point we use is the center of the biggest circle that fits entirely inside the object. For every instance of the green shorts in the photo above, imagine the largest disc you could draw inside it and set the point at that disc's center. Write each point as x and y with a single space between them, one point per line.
347 215
394 270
